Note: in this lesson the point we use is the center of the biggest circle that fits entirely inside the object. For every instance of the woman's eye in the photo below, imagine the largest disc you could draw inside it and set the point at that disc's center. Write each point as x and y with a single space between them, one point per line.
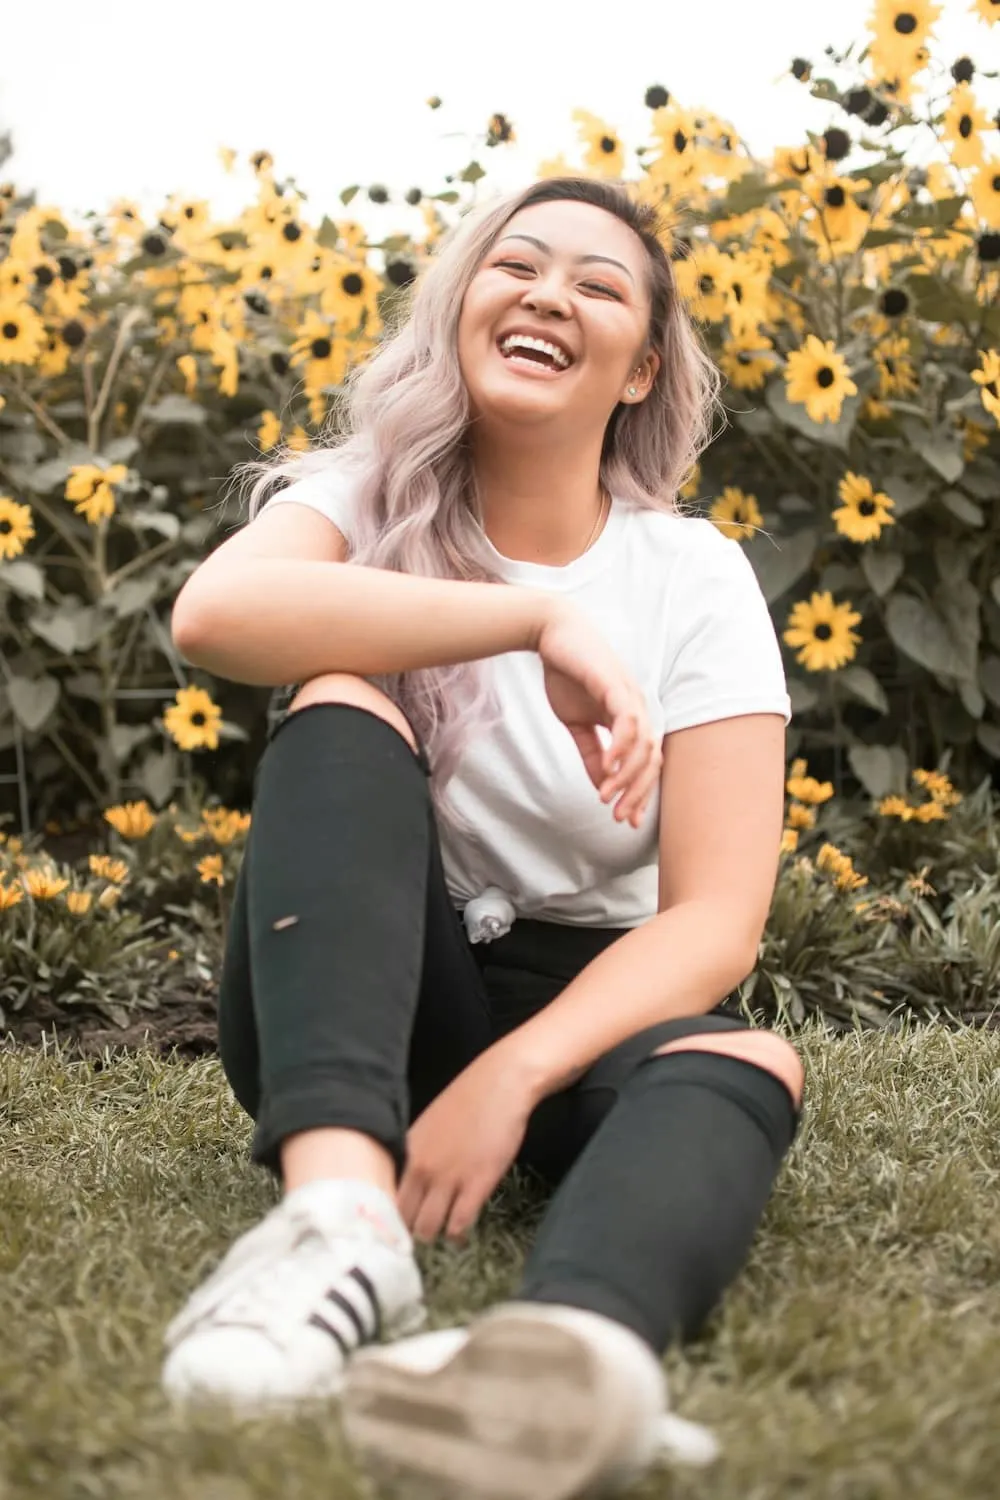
597 286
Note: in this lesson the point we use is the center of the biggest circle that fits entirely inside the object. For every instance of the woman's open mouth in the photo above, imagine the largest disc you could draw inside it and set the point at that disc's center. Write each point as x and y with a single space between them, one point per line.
531 356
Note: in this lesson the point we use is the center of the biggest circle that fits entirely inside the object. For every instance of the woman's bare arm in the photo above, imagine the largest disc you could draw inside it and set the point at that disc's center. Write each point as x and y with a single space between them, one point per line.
277 603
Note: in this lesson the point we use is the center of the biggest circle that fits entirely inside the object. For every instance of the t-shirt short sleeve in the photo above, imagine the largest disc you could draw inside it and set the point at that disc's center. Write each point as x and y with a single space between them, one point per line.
331 491
723 657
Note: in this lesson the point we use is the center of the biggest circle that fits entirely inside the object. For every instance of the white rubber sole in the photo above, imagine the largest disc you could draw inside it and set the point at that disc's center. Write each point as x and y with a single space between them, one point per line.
523 1411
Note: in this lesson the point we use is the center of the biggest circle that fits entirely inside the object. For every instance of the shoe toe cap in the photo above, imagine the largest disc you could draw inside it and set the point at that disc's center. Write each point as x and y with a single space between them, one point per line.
241 1368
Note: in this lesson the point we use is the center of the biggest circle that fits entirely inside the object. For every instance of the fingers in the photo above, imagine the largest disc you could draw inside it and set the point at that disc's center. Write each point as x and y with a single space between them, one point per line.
639 757
433 1213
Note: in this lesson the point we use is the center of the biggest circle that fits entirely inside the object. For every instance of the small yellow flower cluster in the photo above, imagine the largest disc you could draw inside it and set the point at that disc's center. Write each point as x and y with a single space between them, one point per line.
210 868
941 796
221 824
807 794
132 820
833 862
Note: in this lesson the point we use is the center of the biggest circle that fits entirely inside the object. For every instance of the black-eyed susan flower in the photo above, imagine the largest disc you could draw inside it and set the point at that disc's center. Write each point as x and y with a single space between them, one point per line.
16 527
821 632
43 884
863 512
817 377
10 895
321 351
604 153
132 820
79 902
192 721
22 332
89 490
964 123
350 296
210 869
806 788
108 868
737 515
989 378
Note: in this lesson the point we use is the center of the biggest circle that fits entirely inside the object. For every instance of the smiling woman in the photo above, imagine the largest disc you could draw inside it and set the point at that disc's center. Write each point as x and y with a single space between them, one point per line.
422 989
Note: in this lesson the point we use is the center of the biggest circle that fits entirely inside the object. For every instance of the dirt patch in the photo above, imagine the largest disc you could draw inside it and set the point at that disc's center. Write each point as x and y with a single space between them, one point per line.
183 1019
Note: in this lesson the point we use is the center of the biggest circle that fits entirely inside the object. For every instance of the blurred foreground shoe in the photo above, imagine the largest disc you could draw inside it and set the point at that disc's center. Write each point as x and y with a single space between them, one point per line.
532 1402
329 1269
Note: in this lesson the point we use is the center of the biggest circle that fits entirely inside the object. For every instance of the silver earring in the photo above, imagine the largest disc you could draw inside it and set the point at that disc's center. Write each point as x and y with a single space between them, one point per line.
632 390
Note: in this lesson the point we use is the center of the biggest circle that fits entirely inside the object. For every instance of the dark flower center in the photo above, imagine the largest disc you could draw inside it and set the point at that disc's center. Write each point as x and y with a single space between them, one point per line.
824 377
321 348
905 24
608 144
198 718
867 507
352 284
822 632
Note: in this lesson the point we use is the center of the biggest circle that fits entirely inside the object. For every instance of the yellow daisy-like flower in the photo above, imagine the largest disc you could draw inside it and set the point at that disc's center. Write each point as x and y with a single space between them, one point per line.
223 824
806 788
832 861
938 786
22 332
79 902
789 840
989 378
132 820
109 897
737 515
930 812
107 868
210 868
16 527
862 513
821 632
269 431
10 895
89 490
605 153
818 377
350 297
801 816
895 807
42 884
193 720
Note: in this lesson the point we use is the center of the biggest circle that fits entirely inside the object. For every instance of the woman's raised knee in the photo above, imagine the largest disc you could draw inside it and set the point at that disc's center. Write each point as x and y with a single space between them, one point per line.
347 687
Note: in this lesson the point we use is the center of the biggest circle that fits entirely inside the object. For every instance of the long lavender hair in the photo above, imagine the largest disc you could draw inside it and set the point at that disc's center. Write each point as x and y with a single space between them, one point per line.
402 428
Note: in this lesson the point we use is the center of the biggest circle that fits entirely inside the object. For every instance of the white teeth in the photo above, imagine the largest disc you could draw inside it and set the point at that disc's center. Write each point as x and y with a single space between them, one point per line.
522 341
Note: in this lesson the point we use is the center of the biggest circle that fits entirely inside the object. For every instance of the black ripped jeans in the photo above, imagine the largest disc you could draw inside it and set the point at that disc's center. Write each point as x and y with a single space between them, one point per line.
351 996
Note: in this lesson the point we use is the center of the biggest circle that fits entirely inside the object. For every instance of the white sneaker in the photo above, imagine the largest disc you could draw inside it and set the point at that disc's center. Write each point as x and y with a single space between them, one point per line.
532 1402
330 1268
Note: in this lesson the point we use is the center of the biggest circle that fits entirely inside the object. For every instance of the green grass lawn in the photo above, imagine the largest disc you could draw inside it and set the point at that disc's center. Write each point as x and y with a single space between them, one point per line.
857 1356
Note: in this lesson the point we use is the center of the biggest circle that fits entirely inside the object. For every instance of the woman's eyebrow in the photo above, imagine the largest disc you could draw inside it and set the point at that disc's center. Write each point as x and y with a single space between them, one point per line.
580 259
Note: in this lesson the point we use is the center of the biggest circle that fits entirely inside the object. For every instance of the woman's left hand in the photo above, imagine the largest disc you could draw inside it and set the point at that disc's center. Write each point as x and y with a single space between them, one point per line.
461 1146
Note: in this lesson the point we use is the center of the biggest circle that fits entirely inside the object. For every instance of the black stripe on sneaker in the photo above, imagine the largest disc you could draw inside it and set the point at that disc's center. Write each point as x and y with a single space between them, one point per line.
364 1283
341 1301
318 1321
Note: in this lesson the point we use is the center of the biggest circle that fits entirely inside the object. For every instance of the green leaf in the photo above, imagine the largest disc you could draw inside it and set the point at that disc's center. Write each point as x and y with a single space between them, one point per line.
882 570
125 737
163 521
327 235
472 173
864 686
779 563
23 578
989 678
906 494
880 769
988 736
794 414
121 450
58 630
177 410
941 451
971 698
921 634
803 695
133 594
157 775
963 508
349 193
33 699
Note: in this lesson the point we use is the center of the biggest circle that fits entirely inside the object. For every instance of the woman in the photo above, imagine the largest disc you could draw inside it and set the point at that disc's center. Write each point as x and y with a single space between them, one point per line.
463 937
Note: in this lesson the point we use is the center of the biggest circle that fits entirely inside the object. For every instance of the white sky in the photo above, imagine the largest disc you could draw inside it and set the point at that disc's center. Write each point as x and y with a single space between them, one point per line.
132 99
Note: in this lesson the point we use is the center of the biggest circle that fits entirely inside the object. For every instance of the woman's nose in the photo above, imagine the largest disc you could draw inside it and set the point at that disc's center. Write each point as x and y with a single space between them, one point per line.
547 295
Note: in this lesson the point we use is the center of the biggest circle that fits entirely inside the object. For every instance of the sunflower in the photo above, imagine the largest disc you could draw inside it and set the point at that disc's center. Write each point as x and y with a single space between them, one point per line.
350 296
900 28
16 527
821 630
132 820
736 514
210 868
862 513
22 332
193 720
322 351
984 189
605 153
818 376
89 490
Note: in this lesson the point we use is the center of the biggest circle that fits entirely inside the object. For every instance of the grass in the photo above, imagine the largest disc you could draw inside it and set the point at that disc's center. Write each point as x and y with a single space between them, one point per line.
856 1358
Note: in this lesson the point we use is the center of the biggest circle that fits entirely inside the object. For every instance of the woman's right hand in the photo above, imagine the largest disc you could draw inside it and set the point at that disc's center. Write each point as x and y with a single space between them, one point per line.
587 685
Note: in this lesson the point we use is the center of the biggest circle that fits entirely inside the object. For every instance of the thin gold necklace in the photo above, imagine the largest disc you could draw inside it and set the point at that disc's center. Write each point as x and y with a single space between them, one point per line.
600 517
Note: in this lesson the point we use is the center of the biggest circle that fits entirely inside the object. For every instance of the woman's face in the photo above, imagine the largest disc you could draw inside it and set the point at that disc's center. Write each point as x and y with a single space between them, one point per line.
575 277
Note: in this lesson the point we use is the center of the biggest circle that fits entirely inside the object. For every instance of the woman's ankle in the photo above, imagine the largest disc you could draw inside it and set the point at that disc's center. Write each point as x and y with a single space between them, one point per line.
333 1152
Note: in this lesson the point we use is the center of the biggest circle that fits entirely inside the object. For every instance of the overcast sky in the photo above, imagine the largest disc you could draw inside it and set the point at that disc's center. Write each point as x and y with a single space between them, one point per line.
131 99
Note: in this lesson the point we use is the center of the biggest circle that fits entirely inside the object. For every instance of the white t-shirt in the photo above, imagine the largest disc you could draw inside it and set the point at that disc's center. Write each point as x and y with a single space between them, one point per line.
681 606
